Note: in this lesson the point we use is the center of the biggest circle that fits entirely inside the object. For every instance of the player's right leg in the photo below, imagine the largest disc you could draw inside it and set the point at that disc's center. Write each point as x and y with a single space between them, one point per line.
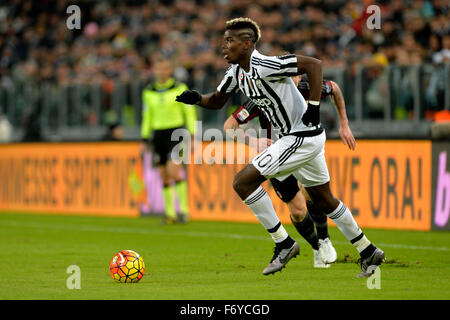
341 215
168 196
247 184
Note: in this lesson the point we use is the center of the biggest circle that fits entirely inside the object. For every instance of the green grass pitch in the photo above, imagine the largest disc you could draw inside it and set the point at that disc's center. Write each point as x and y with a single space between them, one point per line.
206 261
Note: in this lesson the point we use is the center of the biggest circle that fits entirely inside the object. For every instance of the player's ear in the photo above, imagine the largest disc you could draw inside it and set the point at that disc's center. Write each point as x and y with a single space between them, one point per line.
248 43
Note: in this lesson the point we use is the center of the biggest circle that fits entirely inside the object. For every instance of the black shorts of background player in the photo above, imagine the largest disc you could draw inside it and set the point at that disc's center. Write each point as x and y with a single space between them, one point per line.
163 145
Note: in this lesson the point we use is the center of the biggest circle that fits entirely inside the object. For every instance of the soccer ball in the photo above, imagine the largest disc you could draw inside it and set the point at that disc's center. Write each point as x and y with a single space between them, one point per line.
127 266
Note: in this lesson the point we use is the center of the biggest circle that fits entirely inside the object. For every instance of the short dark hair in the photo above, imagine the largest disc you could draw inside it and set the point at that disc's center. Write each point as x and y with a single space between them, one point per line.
113 126
245 23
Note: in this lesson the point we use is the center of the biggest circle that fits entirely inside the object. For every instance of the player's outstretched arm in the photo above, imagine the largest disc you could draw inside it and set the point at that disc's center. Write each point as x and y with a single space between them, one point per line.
215 100
344 129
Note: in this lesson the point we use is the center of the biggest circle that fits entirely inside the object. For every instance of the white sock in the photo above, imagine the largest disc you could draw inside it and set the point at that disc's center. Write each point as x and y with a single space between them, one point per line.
361 244
278 233
261 205
348 226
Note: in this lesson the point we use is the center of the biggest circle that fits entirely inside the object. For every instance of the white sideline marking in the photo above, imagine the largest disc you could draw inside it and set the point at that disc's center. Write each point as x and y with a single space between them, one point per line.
95 228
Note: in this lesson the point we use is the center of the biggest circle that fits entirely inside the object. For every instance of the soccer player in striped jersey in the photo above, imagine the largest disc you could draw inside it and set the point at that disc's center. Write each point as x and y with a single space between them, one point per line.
304 215
300 148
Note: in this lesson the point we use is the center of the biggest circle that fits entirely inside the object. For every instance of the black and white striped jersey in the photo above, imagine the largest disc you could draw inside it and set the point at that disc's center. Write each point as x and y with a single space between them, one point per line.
269 86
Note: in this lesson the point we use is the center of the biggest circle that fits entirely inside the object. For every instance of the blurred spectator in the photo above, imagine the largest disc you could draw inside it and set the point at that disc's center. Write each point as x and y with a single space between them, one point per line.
5 129
377 91
115 132
118 39
403 84
32 126
444 54
434 94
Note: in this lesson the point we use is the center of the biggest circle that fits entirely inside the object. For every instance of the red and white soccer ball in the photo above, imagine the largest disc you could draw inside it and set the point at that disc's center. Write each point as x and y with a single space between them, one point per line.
127 266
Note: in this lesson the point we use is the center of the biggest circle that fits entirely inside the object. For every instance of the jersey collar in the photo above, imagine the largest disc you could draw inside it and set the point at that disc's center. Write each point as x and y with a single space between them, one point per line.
254 53
161 86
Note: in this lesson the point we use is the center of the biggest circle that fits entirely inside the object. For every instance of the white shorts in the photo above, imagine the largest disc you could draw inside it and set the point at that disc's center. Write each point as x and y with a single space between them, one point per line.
304 157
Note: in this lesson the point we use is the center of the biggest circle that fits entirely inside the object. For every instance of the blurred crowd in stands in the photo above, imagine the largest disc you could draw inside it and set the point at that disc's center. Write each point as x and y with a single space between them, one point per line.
119 39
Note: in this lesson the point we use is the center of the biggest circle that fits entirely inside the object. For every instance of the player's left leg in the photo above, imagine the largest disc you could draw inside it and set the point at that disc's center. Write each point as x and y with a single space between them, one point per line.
161 148
319 218
289 192
175 171
168 195
320 221
247 184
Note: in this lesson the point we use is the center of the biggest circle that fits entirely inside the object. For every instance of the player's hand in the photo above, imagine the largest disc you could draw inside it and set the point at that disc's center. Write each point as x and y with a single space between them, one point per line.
189 97
347 137
312 115
264 143
260 144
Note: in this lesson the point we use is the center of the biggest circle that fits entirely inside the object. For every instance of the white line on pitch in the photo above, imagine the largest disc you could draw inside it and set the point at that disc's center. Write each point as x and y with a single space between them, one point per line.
94 228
